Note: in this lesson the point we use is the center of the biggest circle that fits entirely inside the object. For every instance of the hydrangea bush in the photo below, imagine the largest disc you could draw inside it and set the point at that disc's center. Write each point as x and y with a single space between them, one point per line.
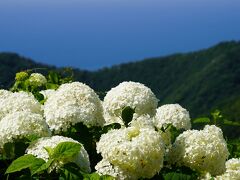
54 128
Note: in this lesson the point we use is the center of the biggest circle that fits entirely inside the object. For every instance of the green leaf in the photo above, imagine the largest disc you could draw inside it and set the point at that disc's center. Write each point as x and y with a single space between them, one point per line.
65 150
108 127
53 77
8 151
127 115
234 148
37 168
177 176
38 96
174 132
95 176
217 117
203 120
231 123
70 171
51 86
164 128
31 138
23 162
49 150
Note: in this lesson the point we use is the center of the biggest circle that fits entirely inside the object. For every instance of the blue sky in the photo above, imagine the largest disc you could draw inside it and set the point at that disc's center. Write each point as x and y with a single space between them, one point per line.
90 34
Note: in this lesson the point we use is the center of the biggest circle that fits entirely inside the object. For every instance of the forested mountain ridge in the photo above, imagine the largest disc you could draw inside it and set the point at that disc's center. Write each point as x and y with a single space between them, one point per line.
200 81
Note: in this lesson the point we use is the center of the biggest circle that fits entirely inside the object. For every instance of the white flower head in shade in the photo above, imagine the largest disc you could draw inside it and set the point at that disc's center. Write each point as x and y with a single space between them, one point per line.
203 151
129 94
38 149
73 103
172 114
232 170
20 124
106 168
37 79
138 151
19 101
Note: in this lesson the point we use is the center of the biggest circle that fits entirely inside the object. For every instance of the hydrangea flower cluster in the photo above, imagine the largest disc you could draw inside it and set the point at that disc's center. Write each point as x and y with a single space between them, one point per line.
73 103
144 121
203 151
18 101
132 94
38 149
232 170
172 114
37 79
20 124
4 94
138 151
106 168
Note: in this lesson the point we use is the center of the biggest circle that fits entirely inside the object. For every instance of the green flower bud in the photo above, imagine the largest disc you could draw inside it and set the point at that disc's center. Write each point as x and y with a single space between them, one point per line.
21 76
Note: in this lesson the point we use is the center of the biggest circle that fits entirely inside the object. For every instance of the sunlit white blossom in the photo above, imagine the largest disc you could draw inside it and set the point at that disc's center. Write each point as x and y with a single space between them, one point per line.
73 103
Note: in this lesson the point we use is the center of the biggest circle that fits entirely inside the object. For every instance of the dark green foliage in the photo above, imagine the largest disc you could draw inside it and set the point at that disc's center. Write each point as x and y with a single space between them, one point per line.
176 173
229 128
127 115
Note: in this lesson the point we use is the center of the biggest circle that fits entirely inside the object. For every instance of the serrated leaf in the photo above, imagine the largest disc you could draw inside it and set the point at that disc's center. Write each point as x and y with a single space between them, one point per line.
127 115
52 86
39 168
70 171
95 176
203 120
23 162
49 150
65 150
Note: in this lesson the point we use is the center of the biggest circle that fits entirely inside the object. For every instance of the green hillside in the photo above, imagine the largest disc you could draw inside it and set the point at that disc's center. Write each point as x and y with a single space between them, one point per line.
200 81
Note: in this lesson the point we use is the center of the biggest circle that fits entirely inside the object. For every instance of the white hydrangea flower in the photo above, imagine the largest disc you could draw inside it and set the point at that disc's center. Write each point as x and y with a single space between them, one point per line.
232 170
203 151
132 94
47 93
38 149
136 150
106 168
19 101
21 124
233 164
73 103
172 114
143 121
37 79
4 94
